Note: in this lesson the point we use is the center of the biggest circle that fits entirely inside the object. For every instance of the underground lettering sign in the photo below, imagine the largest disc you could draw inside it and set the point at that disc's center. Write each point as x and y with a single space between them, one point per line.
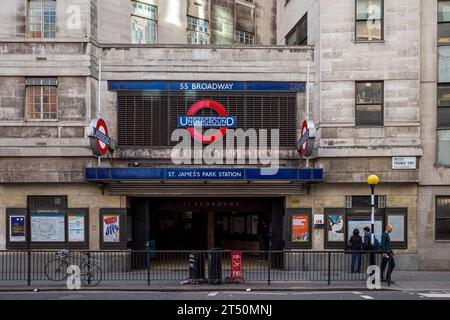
192 122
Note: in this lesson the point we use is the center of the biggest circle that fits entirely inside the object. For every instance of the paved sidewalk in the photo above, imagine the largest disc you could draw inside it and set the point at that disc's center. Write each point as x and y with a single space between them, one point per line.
421 281
404 281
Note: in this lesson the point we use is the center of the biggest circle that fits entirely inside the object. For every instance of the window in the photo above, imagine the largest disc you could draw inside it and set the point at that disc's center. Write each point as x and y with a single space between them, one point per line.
443 22
299 34
140 116
42 18
443 64
443 145
369 20
41 99
443 104
369 104
244 37
443 86
143 23
197 31
442 222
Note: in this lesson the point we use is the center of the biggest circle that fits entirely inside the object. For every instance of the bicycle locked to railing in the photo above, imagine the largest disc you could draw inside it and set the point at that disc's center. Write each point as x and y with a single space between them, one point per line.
82 268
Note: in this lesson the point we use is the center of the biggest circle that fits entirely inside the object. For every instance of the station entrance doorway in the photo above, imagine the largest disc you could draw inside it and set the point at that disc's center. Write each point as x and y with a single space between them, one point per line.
207 223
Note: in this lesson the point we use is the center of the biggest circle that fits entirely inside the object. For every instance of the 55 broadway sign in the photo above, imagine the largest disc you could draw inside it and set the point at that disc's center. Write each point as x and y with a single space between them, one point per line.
216 139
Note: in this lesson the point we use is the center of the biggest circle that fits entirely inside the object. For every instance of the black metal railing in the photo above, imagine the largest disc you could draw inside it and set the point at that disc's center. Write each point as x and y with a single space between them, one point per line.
191 266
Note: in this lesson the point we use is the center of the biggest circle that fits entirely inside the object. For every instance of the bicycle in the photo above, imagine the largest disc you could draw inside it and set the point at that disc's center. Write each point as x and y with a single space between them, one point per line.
90 271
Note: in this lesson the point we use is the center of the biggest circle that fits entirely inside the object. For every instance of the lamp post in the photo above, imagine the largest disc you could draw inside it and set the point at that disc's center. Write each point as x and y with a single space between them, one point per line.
372 180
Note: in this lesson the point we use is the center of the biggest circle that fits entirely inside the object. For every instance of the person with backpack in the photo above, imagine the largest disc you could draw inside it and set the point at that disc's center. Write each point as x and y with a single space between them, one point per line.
369 247
356 244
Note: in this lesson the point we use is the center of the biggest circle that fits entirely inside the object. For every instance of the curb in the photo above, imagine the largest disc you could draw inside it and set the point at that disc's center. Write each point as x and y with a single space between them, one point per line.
214 289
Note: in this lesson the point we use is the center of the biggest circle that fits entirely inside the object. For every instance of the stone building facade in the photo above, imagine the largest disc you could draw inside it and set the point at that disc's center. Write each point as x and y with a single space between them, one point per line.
406 59
148 47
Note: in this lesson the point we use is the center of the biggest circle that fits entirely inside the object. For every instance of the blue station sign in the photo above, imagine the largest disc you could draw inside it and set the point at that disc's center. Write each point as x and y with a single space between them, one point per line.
203 174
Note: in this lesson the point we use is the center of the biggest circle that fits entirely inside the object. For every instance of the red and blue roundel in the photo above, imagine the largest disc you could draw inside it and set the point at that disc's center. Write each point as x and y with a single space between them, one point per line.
100 141
222 121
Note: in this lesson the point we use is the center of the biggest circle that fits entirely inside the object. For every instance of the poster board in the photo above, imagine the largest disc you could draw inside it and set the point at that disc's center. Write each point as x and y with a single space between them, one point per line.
361 223
398 218
76 227
47 227
298 226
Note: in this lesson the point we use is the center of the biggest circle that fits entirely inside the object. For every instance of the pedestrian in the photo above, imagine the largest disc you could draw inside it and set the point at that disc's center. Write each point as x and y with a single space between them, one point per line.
387 255
368 245
355 245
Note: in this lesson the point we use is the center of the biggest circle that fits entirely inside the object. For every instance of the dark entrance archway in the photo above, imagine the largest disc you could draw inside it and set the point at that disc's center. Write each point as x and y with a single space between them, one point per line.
207 223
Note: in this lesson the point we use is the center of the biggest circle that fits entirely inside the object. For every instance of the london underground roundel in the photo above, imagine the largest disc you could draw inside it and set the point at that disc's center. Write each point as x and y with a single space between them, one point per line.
306 143
100 140
222 121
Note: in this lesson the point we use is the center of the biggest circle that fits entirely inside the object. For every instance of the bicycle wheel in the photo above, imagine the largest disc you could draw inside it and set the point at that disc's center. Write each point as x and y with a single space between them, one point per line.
94 274
56 270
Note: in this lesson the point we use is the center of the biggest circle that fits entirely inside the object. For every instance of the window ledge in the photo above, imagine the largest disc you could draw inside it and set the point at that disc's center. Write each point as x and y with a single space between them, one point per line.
442 241
41 120
369 126
368 41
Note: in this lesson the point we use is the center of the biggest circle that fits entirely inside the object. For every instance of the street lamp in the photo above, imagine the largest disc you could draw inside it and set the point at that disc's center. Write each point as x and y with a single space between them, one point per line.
372 180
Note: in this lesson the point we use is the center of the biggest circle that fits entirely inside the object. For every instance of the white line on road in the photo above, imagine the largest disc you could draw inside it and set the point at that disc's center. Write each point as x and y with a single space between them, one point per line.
212 294
435 295
319 292
367 297
356 292
262 293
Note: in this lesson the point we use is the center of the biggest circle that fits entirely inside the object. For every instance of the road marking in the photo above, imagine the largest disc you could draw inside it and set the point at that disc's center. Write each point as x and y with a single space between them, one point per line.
367 297
356 292
435 295
260 293
212 294
318 292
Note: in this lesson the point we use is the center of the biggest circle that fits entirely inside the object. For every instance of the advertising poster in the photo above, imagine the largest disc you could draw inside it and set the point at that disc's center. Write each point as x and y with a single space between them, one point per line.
76 228
335 225
300 228
17 228
111 228
47 228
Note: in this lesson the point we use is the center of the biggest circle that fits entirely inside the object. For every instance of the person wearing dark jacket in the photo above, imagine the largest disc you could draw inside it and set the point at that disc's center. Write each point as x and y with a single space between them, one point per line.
355 244
368 246
388 255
